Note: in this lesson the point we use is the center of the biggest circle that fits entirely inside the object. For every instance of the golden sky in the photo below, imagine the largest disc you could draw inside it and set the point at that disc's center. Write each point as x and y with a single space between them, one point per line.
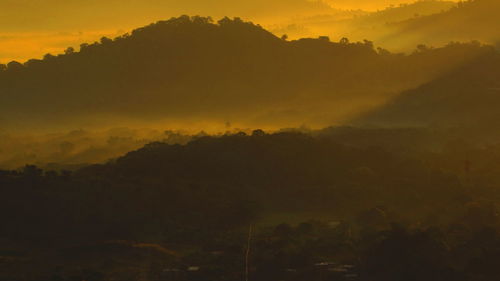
32 28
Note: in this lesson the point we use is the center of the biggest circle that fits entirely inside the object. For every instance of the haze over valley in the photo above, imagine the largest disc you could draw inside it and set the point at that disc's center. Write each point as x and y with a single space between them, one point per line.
213 140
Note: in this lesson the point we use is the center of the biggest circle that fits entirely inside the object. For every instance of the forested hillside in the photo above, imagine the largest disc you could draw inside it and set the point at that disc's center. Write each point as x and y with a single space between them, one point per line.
470 20
465 98
191 70
199 150
178 206
359 24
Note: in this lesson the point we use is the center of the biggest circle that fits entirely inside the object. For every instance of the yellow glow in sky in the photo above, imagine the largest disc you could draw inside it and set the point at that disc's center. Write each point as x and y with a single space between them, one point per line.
32 28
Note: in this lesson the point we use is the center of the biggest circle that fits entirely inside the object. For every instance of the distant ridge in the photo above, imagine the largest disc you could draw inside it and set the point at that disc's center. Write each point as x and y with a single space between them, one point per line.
467 97
470 20
190 69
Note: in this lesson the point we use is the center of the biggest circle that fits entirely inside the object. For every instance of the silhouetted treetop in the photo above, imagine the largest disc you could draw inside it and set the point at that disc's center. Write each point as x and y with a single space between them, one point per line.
466 98
238 70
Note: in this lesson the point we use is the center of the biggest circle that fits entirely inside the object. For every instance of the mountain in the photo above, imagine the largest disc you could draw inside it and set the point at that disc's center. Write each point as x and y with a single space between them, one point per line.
184 71
359 25
401 12
401 28
212 183
470 20
182 206
369 4
467 97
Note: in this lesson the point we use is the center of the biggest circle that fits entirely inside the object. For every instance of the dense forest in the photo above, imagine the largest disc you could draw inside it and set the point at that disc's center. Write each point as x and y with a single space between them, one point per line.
402 26
360 24
469 20
200 150
351 206
188 69
466 97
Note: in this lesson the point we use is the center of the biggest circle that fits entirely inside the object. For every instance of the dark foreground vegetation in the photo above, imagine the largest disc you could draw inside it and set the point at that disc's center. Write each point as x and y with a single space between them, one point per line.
410 204
416 201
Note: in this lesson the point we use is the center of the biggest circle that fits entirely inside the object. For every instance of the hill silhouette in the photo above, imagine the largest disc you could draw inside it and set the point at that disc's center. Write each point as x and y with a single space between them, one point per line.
470 20
216 183
359 25
370 4
189 69
405 188
466 97
167 208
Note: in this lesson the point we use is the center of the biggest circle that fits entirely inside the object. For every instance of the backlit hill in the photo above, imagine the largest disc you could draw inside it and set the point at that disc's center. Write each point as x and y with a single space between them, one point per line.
470 20
189 69
468 97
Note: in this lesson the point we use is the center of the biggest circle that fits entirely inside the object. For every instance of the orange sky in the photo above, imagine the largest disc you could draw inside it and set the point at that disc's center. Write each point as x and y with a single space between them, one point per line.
32 28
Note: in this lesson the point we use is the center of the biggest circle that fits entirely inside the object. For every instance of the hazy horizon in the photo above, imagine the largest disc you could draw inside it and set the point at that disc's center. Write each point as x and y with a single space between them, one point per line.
29 29
246 75
255 140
